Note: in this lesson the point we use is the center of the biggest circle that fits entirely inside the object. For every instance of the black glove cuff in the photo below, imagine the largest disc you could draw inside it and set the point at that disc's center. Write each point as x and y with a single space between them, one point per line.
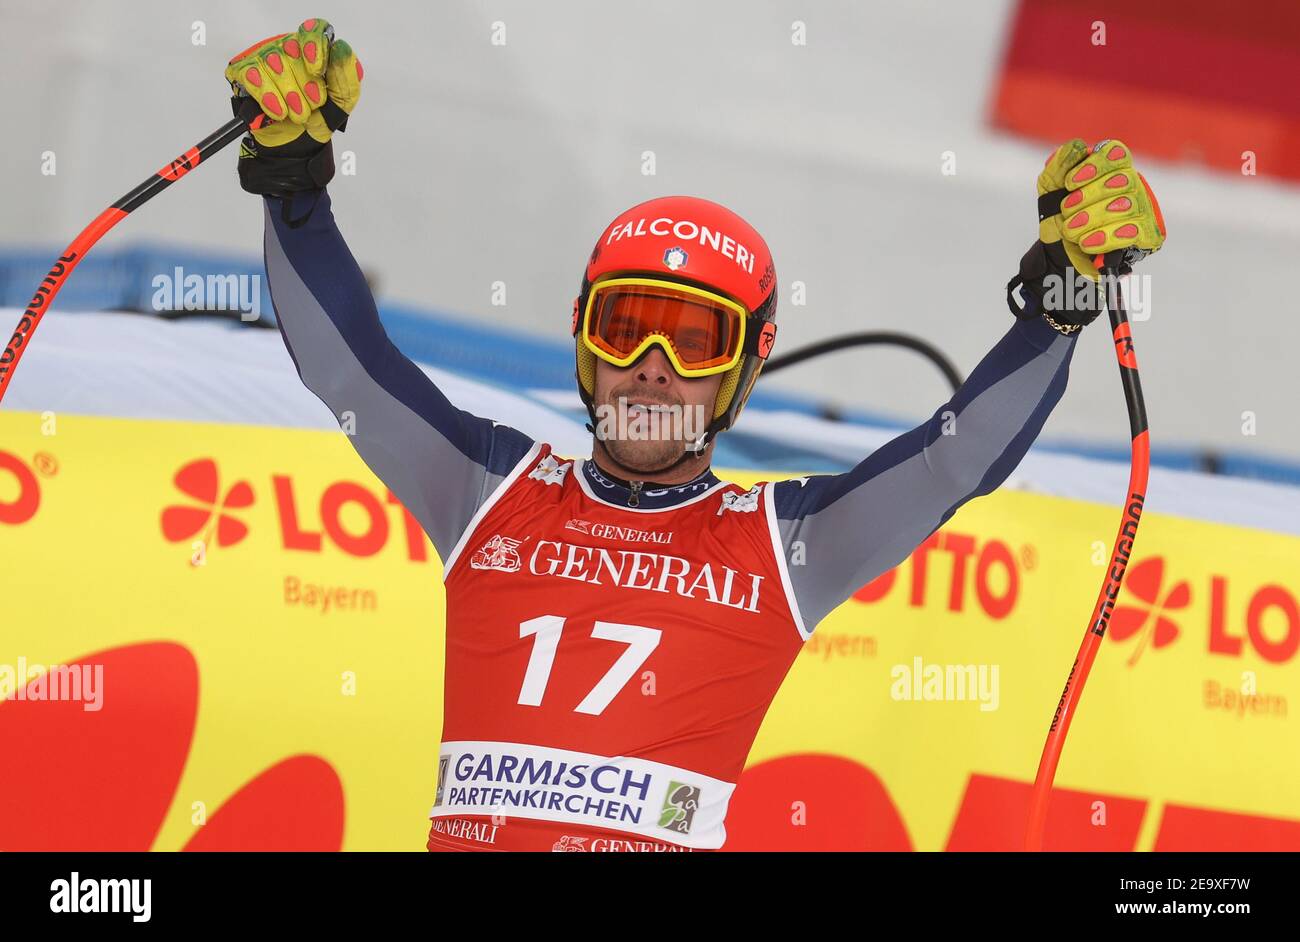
290 168
302 166
1051 284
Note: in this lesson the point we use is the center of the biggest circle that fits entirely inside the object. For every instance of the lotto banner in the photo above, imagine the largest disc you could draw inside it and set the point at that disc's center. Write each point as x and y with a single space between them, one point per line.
217 637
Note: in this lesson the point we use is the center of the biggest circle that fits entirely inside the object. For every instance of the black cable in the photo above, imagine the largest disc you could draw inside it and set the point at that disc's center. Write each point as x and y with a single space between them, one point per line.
867 338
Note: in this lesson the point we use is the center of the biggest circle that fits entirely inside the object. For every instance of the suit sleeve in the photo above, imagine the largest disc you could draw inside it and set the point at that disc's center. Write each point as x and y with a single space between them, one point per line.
841 531
440 461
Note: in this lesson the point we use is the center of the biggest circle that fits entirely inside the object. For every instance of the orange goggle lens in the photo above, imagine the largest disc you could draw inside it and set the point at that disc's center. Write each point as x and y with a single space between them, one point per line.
701 332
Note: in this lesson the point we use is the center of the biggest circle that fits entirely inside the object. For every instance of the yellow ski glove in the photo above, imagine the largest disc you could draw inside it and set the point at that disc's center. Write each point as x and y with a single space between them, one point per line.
1107 206
306 82
1096 215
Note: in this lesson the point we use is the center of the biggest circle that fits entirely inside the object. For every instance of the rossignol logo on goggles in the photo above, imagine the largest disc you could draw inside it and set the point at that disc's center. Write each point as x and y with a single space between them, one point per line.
686 231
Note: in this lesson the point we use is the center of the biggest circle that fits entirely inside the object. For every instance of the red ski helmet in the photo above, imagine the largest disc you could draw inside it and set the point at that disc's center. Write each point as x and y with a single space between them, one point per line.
694 242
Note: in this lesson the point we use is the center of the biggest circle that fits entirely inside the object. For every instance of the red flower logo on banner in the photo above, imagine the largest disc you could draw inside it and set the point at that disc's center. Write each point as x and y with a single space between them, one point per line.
1144 582
199 480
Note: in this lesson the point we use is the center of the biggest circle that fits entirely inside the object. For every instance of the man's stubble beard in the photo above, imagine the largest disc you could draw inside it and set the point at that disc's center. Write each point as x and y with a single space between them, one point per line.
645 457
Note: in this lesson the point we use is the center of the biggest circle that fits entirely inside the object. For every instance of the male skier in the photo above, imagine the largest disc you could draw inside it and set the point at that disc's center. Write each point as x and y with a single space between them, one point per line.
618 626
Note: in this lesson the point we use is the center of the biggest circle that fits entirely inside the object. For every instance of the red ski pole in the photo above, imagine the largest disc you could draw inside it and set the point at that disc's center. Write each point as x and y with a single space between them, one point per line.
1121 553
250 117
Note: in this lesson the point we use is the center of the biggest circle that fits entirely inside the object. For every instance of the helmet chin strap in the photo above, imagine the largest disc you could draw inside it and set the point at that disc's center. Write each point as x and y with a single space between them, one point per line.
694 449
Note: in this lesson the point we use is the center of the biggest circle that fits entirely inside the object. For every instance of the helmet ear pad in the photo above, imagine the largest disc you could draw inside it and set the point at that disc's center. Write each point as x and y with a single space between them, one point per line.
727 390
586 371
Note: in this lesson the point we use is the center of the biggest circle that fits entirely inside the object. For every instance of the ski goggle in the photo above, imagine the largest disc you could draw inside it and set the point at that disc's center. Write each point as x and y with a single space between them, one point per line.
702 333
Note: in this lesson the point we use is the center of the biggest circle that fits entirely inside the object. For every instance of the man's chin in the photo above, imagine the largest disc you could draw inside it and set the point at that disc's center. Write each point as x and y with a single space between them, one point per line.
644 457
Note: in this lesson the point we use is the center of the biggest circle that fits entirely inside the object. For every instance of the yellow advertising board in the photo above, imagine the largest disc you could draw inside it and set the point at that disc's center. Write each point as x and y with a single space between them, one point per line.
220 636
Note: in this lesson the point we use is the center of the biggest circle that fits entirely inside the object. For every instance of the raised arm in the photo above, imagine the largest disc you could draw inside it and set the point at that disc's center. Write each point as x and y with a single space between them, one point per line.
1097 217
851 527
440 461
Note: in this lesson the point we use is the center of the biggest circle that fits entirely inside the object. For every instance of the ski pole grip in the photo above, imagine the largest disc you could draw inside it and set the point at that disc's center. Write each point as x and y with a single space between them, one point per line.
248 111
1118 262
